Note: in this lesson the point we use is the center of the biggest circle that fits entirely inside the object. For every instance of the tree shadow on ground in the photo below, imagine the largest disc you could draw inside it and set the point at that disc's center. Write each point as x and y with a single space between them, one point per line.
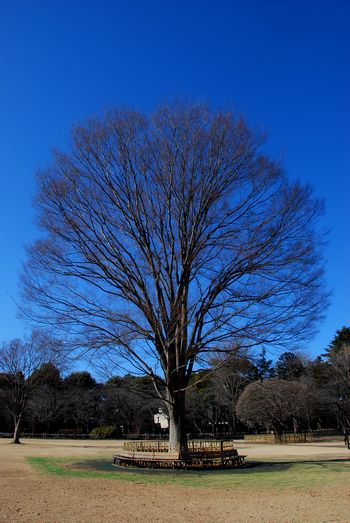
105 465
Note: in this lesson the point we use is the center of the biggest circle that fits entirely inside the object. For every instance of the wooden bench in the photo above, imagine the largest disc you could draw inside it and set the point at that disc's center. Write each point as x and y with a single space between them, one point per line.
199 455
147 462
173 461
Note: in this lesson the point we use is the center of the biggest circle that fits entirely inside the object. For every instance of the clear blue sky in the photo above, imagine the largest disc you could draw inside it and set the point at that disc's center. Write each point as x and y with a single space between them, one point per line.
284 65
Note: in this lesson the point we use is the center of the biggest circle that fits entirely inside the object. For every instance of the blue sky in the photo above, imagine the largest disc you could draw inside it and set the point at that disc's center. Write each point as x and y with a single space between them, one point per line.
283 65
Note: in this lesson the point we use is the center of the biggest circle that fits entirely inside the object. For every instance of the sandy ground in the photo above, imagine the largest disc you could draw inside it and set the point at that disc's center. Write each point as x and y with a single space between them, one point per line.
29 496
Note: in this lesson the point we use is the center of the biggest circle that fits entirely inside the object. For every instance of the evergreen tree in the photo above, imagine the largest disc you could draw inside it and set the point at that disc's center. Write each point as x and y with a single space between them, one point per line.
341 339
289 366
264 367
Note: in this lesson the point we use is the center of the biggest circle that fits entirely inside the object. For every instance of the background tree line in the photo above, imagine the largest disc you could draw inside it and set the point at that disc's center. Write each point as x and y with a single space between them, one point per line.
292 394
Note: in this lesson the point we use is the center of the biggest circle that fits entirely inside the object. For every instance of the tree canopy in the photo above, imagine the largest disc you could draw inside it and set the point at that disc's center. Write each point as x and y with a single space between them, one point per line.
171 236
273 403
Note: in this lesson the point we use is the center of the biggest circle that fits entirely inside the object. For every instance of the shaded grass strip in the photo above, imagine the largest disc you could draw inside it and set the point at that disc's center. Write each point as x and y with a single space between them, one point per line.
256 475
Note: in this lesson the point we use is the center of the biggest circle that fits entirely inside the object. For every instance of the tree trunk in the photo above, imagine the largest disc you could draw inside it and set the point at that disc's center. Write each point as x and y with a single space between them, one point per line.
16 430
233 422
295 425
177 422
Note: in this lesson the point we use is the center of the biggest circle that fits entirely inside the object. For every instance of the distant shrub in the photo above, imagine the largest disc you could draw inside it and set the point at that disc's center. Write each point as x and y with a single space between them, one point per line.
105 432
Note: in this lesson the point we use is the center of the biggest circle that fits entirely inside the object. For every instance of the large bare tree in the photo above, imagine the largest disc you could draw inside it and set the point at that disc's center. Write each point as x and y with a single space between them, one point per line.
169 236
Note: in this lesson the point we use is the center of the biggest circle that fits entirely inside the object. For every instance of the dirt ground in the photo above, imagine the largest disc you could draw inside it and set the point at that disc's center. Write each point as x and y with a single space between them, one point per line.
32 497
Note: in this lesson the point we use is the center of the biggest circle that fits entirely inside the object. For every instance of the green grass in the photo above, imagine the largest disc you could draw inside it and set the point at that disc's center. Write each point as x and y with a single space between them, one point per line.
281 475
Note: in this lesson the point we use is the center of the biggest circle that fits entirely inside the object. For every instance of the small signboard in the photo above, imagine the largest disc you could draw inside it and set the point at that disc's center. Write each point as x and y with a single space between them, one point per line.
161 419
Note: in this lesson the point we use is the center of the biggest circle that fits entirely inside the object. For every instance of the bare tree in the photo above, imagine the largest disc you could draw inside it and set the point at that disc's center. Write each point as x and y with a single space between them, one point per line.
130 403
231 378
46 404
19 361
168 235
273 403
339 384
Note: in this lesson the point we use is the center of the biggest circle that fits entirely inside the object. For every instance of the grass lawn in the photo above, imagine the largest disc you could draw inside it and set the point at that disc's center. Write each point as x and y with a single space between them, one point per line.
52 481
262 474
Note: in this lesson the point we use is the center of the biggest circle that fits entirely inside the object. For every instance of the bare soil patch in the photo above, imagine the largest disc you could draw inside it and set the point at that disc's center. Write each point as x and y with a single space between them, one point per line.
27 495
